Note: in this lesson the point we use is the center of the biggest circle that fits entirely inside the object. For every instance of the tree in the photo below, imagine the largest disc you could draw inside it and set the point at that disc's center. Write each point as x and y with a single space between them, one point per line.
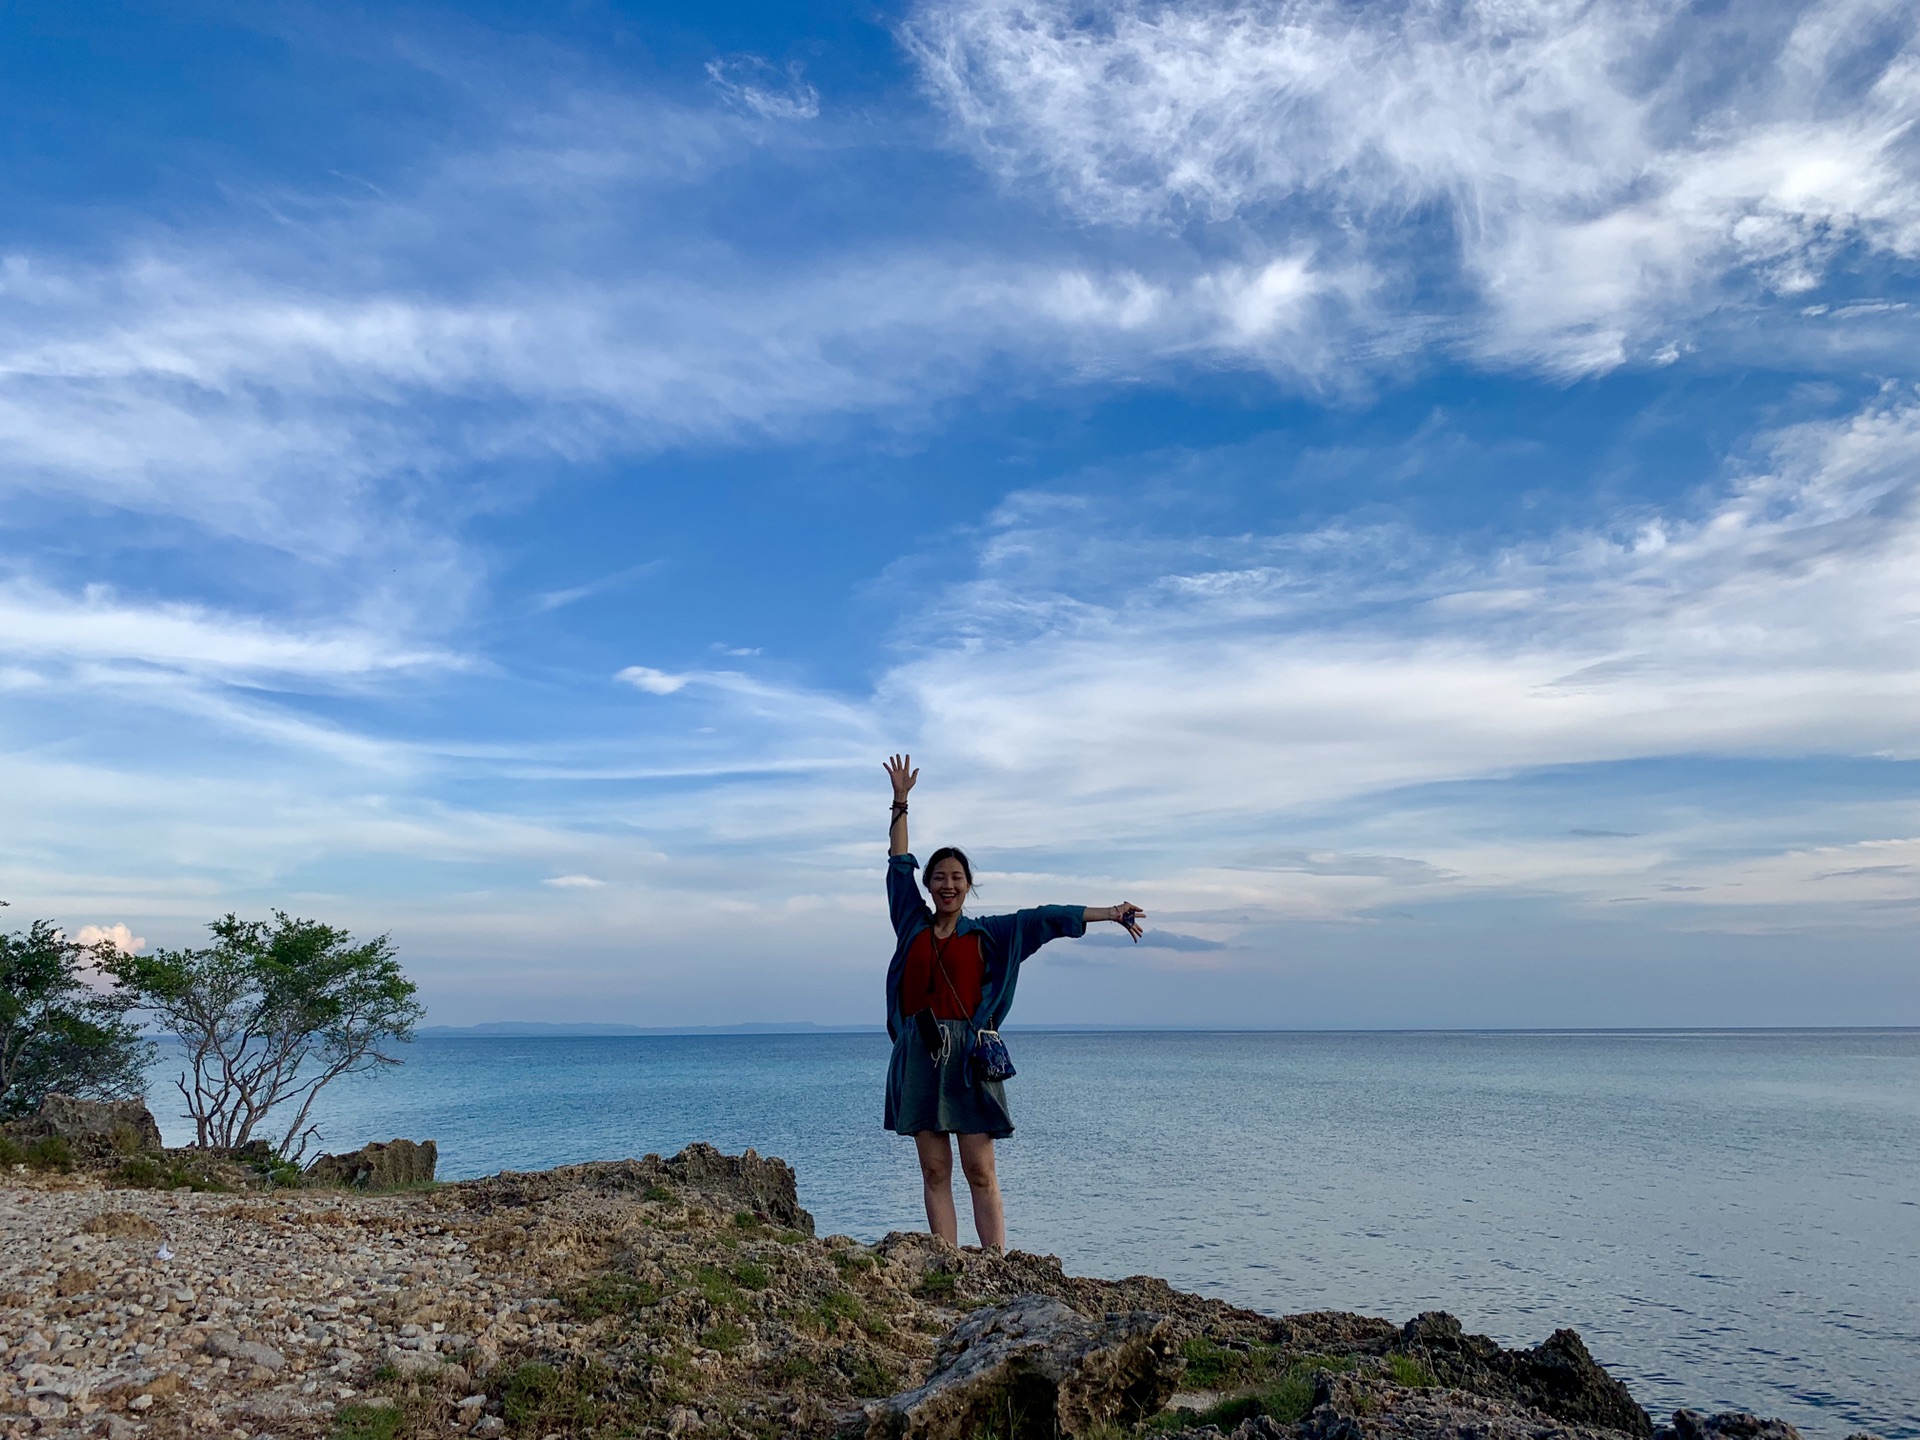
56 1031
270 1015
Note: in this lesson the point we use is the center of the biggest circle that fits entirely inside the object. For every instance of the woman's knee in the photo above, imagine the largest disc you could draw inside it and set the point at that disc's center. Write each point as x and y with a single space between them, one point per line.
979 1168
936 1165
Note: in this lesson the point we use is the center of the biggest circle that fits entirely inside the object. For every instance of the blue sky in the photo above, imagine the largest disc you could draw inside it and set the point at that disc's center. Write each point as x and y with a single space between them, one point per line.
1424 498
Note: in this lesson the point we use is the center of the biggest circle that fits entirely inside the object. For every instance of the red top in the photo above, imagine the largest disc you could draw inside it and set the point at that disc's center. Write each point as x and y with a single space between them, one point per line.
951 989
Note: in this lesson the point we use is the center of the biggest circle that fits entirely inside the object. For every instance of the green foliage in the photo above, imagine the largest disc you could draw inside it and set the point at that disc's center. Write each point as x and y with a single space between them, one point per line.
1285 1394
724 1337
657 1193
368 1422
1213 1366
794 1370
936 1285
144 1172
270 1015
841 1305
49 1153
718 1287
57 1033
747 1220
612 1295
1410 1371
539 1399
866 1375
752 1276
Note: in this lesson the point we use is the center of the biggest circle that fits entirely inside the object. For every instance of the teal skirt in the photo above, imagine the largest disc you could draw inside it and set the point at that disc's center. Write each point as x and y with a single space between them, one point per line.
925 1092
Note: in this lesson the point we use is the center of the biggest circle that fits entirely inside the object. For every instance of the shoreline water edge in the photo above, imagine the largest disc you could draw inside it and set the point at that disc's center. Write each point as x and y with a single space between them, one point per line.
155 1293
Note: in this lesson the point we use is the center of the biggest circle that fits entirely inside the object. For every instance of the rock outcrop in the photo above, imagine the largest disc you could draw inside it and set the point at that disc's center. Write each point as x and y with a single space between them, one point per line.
687 1298
1556 1377
388 1166
94 1130
1032 1369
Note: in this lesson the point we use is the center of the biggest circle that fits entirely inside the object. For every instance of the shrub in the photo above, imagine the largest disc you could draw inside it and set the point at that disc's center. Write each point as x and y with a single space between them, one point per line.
57 1033
143 1172
51 1153
724 1337
270 1015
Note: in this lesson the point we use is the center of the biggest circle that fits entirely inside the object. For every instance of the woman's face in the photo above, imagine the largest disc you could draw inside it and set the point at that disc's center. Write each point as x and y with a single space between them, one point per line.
947 884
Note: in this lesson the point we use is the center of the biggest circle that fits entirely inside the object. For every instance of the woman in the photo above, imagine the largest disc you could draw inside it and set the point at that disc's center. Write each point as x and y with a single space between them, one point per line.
952 976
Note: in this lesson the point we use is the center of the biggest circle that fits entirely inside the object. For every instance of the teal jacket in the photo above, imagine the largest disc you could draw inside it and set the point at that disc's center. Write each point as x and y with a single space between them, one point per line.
1005 941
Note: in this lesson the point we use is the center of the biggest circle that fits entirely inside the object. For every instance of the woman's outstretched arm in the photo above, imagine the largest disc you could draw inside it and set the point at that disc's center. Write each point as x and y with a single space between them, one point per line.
1124 915
900 771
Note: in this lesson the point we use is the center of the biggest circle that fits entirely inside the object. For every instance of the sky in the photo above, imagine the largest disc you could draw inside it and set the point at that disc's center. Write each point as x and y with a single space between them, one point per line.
1423 497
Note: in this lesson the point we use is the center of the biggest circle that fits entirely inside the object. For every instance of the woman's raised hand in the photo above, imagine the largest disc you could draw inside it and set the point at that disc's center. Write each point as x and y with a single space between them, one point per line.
901 772
1128 918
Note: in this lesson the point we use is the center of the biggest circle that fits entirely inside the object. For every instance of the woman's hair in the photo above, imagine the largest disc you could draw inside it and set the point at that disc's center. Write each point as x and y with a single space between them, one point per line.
951 852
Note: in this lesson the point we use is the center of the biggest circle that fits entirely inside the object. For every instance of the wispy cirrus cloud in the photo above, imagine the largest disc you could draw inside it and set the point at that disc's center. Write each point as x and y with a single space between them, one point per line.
98 626
1590 167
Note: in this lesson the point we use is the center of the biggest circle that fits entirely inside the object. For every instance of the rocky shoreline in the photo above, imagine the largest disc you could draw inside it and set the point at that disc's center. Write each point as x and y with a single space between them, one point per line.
687 1298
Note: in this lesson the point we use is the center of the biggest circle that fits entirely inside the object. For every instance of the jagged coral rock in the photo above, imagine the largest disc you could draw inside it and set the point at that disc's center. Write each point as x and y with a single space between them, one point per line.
387 1166
1033 1368
1556 1377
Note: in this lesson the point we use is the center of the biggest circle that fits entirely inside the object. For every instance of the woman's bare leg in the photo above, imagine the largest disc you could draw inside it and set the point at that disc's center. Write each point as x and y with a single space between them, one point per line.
989 1214
936 1182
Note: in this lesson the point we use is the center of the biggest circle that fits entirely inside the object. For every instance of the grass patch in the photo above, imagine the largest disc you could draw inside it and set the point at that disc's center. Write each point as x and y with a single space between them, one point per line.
1213 1366
1286 1396
936 1285
540 1398
751 1276
853 1260
611 1295
143 1172
658 1193
1411 1372
717 1285
50 1153
794 1370
368 1422
838 1306
748 1221
724 1337
866 1375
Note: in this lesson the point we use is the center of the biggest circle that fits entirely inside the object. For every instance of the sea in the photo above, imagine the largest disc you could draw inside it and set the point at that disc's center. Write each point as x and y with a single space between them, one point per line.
1730 1219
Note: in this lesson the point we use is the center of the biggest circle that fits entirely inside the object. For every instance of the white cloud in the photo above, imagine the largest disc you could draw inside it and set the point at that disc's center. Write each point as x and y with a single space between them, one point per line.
117 935
97 625
574 882
753 83
1598 163
654 682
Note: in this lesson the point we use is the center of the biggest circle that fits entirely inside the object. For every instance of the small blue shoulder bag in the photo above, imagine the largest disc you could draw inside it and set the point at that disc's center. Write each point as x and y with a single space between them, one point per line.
990 1058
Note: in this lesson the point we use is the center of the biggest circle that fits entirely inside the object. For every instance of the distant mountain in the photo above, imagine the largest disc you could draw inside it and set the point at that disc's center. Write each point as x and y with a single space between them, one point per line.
524 1029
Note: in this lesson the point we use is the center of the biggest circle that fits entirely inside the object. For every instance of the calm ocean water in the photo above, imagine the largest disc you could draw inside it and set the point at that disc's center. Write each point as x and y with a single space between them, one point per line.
1729 1219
